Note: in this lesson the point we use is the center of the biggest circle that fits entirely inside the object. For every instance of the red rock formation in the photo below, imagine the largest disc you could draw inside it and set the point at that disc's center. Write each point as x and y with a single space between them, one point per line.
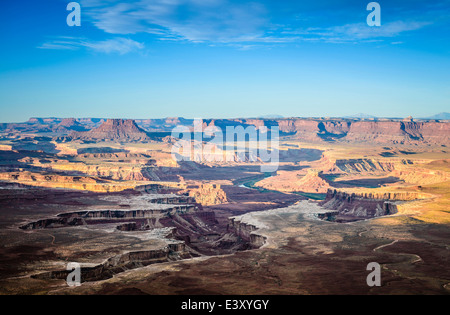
246 232
387 131
114 129
313 182
399 132
353 207
348 130
209 195
69 124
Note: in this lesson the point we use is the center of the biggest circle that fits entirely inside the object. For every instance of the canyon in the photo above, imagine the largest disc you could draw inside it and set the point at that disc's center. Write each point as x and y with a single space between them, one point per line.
107 193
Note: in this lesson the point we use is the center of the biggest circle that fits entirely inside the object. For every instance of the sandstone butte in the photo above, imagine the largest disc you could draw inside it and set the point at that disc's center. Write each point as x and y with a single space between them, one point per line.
114 129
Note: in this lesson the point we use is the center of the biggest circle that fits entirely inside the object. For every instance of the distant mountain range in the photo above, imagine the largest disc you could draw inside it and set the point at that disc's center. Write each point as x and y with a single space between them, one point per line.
271 117
441 116
361 116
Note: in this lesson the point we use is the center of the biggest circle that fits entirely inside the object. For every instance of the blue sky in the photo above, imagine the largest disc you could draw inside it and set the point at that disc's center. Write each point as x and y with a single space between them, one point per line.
223 59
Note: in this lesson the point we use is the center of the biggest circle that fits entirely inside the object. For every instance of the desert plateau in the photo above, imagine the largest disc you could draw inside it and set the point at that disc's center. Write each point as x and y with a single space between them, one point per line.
224 155
107 194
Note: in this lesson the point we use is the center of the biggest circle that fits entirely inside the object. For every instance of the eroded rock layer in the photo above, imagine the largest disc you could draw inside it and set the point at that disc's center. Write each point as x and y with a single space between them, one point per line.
354 207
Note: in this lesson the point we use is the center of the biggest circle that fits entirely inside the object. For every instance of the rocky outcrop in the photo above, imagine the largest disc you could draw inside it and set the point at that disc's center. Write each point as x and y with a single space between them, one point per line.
53 223
362 166
116 155
122 262
26 176
140 225
102 216
246 232
114 172
350 130
369 166
382 132
378 195
133 226
362 206
421 176
69 124
208 194
78 182
113 130
311 182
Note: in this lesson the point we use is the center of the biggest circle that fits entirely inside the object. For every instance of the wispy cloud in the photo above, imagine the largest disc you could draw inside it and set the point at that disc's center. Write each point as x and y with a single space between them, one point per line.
236 22
192 20
363 31
117 45
356 32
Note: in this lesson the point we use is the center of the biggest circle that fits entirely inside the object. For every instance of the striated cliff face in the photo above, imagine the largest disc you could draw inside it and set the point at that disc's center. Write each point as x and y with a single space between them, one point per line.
26 176
378 195
348 130
64 181
245 231
100 216
123 262
369 166
127 173
381 132
361 206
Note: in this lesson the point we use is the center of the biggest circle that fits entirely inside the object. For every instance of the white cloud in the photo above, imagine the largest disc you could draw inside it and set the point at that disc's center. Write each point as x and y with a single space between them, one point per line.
116 45
193 20
363 31
357 32
225 21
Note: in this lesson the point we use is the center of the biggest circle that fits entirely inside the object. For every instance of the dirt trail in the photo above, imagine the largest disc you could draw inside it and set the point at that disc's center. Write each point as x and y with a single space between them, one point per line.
385 245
